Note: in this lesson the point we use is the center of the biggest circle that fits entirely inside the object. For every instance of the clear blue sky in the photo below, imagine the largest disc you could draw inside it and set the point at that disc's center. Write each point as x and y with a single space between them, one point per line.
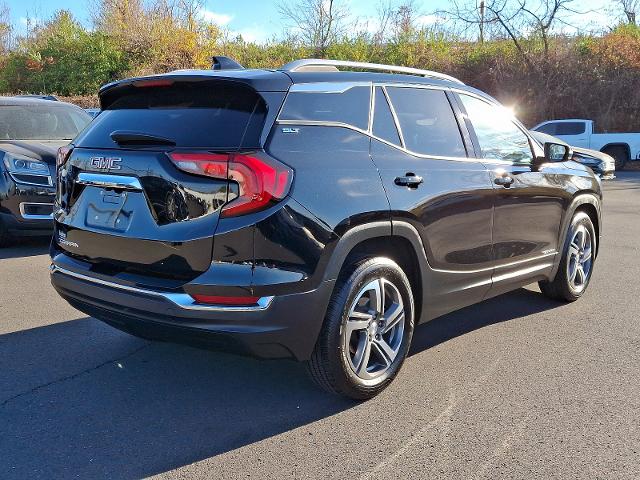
259 19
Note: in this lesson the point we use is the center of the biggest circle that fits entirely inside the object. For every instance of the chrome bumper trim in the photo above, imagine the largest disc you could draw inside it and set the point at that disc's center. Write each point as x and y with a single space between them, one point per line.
181 300
109 181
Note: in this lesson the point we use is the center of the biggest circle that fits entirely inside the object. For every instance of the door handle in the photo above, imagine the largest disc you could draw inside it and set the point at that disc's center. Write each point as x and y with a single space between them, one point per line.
410 180
505 181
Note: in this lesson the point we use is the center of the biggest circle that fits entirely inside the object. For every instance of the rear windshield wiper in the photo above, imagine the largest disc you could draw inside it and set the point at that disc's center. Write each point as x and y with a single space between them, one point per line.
122 137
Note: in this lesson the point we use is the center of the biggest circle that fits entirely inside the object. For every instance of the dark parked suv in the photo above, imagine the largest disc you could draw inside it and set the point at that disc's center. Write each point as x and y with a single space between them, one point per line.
312 213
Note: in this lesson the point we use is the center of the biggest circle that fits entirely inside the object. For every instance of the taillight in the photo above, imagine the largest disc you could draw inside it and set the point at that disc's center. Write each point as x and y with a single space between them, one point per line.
262 181
217 300
63 154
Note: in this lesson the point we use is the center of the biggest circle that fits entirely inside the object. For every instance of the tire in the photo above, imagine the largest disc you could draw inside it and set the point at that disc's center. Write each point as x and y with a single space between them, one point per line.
620 156
337 363
580 247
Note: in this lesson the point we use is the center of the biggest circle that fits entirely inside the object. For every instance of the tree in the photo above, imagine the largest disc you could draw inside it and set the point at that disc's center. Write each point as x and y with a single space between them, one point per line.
630 9
517 19
5 29
318 22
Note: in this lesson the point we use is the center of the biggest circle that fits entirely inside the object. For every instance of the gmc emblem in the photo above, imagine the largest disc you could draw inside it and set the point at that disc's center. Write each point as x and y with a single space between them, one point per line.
106 163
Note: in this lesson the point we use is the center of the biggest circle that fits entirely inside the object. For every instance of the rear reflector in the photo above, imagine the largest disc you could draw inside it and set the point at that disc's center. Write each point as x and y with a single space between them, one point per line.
262 181
216 300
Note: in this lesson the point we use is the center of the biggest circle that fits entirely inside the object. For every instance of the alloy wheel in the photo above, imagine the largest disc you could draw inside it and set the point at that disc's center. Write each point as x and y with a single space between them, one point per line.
374 331
580 261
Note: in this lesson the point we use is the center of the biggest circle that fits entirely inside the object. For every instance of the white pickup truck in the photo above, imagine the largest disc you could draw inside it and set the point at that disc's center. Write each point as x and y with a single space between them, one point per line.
623 147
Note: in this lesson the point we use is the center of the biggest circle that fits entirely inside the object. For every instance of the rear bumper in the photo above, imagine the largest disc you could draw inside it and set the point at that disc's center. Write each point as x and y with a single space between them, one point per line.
281 327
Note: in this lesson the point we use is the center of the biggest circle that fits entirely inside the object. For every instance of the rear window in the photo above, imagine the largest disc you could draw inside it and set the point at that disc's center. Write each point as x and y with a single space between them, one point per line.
562 128
41 122
204 114
428 124
349 106
570 128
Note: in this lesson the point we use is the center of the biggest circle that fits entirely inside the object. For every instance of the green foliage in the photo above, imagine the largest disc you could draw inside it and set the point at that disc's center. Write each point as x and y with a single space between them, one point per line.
63 58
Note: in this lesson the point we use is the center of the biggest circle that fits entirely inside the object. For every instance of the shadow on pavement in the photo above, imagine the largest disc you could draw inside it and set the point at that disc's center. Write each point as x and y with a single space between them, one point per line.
82 399
25 247
503 308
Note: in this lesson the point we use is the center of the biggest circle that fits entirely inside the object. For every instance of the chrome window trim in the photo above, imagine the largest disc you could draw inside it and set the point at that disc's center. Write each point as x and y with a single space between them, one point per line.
182 300
372 109
27 216
322 123
396 121
316 123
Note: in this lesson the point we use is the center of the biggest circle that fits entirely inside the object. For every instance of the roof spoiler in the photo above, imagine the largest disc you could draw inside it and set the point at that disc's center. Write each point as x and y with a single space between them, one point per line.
224 63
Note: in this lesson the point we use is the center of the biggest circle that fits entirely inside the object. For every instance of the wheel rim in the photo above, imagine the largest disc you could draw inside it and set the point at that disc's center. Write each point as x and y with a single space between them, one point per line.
374 330
580 261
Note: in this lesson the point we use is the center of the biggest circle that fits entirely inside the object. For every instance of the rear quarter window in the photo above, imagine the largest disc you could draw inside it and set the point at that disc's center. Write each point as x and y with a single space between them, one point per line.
349 106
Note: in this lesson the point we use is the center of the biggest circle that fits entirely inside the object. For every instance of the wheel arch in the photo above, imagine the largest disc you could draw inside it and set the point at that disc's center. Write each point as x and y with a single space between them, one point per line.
589 203
626 146
401 243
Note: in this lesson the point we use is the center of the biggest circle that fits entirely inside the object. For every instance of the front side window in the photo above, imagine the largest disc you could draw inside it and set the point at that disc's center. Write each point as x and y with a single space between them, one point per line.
498 136
428 124
349 106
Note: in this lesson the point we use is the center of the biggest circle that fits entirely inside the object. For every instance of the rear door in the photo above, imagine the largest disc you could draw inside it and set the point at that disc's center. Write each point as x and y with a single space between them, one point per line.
124 206
433 184
528 202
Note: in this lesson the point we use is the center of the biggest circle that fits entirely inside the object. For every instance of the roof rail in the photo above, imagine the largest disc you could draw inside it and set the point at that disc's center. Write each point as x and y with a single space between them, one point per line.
317 64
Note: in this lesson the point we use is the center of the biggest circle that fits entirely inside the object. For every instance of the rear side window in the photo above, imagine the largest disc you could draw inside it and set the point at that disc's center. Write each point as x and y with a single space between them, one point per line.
383 124
349 106
204 114
428 124
570 128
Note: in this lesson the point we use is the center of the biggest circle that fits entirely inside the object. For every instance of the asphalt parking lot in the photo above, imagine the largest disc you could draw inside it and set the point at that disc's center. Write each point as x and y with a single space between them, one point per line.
516 387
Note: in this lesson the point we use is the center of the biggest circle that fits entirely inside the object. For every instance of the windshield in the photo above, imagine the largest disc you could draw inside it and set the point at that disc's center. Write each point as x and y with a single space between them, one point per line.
41 122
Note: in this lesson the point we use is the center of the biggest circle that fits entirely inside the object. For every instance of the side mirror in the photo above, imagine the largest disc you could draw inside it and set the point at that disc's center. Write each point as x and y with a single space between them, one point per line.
554 152
557 152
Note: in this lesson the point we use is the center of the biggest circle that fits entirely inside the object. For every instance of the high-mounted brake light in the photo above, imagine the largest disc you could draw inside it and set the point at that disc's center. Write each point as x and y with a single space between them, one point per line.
262 181
231 301
152 83
63 154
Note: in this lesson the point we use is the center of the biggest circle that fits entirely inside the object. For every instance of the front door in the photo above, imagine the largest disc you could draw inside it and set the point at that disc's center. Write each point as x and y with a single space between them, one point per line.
432 184
528 202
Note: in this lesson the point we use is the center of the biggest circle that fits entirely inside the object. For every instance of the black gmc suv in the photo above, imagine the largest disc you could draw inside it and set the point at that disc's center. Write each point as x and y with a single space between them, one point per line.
31 130
312 213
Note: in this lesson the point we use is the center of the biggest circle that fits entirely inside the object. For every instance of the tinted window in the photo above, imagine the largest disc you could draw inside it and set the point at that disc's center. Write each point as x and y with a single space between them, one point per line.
41 122
427 121
383 125
569 128
549 129
192 114
350 106
498 136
